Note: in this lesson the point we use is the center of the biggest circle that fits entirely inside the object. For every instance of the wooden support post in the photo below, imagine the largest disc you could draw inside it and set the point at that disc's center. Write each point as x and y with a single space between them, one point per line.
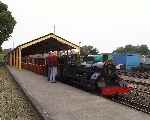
19 58
10 59
14 58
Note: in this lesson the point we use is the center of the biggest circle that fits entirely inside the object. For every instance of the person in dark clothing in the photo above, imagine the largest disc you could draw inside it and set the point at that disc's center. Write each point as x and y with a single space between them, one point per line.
49 64
53 61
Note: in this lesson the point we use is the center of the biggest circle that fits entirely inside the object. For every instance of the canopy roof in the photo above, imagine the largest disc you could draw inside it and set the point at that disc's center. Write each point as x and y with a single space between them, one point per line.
44 44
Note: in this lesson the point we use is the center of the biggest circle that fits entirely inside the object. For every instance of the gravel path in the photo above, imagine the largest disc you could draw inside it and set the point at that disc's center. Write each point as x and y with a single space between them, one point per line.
14 105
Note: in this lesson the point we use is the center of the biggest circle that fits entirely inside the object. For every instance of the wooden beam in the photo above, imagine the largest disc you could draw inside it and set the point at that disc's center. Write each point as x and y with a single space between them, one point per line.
34 42
65 42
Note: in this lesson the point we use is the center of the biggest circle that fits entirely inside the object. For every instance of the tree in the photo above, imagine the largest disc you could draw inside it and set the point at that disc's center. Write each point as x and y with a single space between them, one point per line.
7 23
143 49
120 50
86 50
130 48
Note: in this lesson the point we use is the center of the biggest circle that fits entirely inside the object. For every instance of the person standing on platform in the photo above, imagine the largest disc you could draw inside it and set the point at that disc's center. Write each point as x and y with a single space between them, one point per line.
54 63
49 65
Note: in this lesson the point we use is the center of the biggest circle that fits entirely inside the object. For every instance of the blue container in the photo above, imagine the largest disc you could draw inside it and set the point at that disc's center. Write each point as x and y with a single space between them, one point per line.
119 59
130 60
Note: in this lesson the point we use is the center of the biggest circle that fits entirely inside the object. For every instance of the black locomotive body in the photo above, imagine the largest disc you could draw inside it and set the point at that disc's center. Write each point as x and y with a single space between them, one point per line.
104 79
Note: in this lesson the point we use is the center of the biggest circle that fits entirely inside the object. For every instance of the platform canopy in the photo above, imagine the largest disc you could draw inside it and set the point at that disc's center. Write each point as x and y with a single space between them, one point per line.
44 44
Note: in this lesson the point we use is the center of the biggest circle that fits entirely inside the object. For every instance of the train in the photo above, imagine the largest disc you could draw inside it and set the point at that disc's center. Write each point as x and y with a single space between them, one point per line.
100 77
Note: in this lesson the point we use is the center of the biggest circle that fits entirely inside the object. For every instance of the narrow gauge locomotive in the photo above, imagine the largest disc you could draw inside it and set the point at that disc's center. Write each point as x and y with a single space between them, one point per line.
100 77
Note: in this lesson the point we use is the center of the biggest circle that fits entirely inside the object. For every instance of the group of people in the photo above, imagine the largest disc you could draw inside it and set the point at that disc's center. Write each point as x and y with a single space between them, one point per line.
52 66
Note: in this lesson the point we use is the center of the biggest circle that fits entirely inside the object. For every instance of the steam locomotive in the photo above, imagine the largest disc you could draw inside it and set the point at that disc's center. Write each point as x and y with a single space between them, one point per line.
100 77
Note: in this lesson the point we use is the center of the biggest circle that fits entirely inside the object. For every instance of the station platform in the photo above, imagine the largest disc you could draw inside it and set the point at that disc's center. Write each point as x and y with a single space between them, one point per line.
58 101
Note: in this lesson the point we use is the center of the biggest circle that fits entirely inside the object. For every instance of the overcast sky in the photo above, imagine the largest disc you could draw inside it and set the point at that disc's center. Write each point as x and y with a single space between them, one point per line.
105 24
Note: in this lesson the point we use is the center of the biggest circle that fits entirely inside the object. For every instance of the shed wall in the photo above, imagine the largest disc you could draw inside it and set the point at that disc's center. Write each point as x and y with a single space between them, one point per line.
129 60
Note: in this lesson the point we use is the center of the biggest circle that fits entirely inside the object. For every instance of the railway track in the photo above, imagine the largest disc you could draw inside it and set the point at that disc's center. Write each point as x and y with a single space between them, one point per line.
138 98
136 74
141 75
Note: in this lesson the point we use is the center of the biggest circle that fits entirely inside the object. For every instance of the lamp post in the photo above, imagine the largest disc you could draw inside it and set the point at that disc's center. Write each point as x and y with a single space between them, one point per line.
54 28
79 57
79 47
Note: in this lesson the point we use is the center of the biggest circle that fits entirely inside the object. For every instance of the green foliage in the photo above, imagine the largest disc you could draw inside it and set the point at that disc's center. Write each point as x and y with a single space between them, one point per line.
1 57
86 50
143 49
1 50
120 50
7 23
